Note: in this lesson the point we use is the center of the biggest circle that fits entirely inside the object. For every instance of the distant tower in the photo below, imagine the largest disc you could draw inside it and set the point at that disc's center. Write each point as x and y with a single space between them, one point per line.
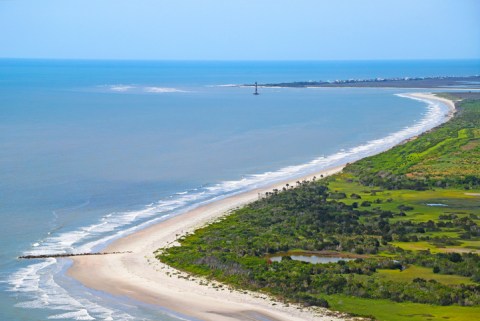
256 89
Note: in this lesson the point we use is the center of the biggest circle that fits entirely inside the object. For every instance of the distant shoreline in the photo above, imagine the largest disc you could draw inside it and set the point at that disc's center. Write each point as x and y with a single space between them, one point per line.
469 82
140 276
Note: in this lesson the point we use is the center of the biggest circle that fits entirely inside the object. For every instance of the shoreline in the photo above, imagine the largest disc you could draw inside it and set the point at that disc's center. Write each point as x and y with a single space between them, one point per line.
435 82
138 275
430 96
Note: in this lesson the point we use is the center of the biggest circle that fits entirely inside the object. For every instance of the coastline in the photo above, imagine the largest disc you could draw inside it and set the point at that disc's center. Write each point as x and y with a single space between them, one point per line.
430 96
140 276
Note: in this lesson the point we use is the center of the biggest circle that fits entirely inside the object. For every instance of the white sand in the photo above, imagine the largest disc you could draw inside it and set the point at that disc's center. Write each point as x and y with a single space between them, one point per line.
432 97
140 276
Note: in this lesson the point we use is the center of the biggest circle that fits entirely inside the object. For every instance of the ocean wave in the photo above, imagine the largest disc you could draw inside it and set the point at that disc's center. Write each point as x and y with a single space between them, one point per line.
36 282
161 90
121 88
36 279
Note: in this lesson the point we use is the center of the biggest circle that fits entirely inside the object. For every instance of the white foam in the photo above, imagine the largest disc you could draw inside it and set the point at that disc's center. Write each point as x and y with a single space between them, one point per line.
37 284
161 90
121 88
139 89
81 314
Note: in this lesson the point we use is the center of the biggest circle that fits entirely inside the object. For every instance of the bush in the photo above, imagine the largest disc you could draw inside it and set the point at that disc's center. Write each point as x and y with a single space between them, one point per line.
337 195
405 208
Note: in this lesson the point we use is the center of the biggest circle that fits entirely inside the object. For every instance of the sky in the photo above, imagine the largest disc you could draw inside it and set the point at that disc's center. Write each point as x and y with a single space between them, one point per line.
240 29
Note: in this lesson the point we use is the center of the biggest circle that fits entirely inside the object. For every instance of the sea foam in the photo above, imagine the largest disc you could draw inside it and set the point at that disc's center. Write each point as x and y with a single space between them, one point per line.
161 90
138 89
121 88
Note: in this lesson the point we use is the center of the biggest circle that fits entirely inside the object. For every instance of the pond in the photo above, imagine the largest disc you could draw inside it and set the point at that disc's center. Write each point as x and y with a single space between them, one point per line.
311 258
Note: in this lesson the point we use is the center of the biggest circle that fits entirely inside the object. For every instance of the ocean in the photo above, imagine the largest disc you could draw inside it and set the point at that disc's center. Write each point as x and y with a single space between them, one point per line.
93 150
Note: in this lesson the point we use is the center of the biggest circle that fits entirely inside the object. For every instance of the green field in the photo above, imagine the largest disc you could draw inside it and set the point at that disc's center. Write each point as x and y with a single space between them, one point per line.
413 272
393 311
449 155
455 201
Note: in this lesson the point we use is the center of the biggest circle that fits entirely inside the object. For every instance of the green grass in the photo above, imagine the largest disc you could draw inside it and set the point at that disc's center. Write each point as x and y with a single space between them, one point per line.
413 272
450 153
444 233
391 311
418 246
457 200
466 246
471 244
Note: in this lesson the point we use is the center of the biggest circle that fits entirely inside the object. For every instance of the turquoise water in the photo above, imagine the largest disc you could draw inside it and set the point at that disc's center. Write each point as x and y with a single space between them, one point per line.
91 150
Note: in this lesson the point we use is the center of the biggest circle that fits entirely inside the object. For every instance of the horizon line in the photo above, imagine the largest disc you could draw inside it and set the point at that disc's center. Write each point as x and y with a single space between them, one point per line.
240 60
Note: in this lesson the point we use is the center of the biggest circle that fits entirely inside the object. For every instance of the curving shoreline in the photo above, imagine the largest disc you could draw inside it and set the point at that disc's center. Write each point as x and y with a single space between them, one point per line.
140 276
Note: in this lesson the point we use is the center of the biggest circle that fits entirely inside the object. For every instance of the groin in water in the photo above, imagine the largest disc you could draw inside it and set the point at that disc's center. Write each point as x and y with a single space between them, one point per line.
46 256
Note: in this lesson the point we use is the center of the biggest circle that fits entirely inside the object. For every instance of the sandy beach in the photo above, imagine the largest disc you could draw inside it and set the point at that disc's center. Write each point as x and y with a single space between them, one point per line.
140 276
430 96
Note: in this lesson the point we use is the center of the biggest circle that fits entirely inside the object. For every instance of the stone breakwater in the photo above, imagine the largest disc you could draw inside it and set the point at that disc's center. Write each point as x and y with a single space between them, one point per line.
46 256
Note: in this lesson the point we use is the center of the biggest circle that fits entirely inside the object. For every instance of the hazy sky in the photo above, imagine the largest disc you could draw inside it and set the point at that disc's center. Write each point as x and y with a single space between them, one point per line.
240 29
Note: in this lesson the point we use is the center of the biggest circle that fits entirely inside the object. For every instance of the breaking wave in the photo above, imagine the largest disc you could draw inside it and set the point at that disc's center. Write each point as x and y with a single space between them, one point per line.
120 88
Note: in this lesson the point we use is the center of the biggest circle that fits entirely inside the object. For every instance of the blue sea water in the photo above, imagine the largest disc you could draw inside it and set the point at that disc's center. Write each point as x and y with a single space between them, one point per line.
90 150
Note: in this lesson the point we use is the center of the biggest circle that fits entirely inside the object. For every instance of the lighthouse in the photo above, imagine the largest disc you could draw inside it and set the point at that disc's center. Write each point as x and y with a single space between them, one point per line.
256 89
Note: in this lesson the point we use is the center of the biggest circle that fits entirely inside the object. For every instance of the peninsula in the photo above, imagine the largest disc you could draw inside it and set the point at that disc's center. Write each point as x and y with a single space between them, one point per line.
397 233
470 82
380 216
